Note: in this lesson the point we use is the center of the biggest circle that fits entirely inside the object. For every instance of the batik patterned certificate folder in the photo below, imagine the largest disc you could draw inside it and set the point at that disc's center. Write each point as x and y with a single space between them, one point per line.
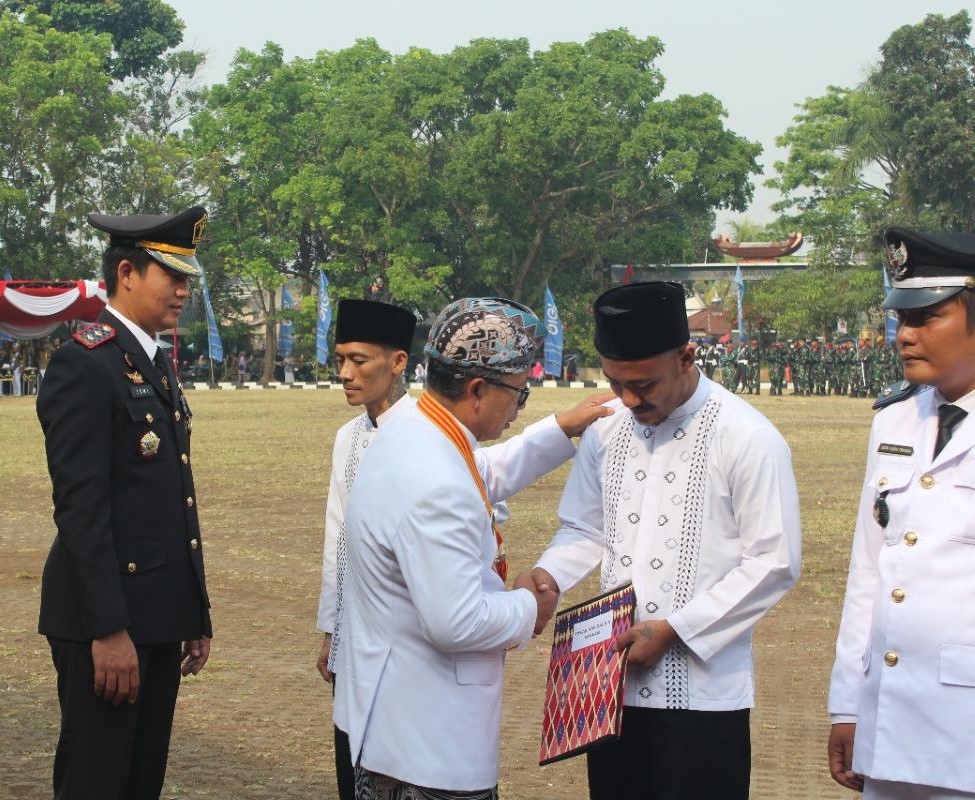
584 693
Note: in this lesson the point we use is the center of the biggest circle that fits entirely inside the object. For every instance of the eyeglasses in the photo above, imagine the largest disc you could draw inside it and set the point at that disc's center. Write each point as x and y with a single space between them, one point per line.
522 393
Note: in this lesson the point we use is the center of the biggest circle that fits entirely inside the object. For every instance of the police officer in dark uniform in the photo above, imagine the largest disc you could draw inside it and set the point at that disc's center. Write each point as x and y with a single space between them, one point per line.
123 599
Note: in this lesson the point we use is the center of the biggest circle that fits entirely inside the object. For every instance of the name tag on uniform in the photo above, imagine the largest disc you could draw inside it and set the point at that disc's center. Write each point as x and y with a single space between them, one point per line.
896 449
145 390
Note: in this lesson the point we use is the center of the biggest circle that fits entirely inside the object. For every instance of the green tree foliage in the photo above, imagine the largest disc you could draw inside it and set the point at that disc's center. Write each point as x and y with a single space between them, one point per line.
581 156
257 151
57 116
898 148
150 167
141 30
489 170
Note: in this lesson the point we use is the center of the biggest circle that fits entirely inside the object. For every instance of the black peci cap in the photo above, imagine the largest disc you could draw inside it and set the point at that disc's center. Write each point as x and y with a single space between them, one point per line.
374 322
926 268
170 239
640 320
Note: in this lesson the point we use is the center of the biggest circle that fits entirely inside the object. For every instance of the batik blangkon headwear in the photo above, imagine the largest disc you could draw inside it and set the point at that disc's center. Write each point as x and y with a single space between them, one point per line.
485 336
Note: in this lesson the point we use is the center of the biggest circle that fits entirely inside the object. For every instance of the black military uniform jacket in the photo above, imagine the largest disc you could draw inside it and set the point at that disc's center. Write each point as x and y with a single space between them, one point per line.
128 552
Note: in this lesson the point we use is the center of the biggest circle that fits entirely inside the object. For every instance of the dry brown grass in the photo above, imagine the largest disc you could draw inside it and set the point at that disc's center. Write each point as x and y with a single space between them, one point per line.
256 723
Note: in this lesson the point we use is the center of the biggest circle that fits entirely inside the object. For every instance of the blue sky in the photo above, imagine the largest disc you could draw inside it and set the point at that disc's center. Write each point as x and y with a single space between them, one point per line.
759 57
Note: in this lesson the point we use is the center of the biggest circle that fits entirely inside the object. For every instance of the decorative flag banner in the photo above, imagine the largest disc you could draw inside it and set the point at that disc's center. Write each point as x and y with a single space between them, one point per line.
287 340
324 319
34 309
739 281
554 336
890 315
4 337
213 332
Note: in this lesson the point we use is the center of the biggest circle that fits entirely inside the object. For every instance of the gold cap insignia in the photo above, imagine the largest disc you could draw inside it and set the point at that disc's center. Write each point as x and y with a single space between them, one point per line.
199 228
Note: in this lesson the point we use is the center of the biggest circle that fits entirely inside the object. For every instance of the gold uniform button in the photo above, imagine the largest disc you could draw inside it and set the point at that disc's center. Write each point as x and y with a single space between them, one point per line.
132 566
194 544
882 482
177 415
898 595
189 502
184 458
927 481
891 658
149 418
910 538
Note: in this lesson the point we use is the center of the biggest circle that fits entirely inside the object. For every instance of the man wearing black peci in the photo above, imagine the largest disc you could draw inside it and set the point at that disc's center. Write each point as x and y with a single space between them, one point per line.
123 598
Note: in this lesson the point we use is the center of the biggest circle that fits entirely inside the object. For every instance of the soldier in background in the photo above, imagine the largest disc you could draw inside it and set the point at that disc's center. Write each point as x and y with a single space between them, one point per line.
710 358
776 368
796 365
817 370
754 367
729 369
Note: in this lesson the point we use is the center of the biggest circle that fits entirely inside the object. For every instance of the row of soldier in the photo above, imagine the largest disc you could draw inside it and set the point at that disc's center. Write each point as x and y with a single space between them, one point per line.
814 368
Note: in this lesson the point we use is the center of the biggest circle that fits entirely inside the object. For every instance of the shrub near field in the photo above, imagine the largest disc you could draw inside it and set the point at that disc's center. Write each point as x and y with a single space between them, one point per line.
256 723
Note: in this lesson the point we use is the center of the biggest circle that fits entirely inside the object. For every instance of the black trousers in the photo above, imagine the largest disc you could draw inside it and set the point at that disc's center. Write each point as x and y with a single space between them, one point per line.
674 755
107 751
344 768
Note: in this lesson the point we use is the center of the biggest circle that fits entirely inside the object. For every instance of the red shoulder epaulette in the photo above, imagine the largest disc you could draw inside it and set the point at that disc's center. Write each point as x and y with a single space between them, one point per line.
94 335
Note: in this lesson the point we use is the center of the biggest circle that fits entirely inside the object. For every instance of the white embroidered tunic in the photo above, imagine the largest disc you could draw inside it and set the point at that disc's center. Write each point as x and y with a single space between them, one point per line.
701 513
351 443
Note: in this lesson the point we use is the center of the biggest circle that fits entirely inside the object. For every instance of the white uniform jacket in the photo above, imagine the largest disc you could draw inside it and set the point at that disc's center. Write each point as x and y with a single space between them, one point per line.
426 621
701 513
905 655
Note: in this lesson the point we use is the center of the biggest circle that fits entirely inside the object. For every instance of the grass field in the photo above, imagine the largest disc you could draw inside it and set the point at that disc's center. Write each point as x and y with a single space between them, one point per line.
256 723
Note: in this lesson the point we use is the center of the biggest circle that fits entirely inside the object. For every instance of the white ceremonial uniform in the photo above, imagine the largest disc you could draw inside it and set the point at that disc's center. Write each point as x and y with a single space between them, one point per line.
351 442
905 654
426 620
701 513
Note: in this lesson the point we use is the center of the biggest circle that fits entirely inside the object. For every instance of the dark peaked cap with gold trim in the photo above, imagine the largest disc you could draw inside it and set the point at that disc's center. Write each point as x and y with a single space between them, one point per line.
640 320
926 268
374 322
171 239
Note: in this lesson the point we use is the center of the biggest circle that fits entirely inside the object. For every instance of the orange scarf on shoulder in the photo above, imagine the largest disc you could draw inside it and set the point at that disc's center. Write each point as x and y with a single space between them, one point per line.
450 428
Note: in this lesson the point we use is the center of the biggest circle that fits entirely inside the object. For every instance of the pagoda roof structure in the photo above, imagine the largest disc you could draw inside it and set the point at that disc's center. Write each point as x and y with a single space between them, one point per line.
758 251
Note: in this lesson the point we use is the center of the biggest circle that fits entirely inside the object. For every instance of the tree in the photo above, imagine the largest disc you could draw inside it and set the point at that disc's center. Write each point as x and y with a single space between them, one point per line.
584 155
926 79
256 146
385 120
898 148
141 30
57 115
149 168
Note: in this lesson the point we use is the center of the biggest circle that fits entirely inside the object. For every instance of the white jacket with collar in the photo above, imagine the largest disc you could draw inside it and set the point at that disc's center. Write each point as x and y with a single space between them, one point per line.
426 619
905 655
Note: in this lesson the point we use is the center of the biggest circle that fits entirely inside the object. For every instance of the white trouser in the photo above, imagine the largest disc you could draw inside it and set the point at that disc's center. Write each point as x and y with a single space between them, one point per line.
894 790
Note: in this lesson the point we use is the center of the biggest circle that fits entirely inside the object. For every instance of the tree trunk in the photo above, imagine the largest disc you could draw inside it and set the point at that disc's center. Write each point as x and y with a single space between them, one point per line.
270 338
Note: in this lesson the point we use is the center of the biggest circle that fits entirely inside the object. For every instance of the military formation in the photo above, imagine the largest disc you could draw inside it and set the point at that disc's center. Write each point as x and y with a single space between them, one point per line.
846 367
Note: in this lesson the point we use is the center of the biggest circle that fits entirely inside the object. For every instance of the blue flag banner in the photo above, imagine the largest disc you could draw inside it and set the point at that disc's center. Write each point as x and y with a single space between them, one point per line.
890 315
554 336
213 332
286 342
739 282
324 319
